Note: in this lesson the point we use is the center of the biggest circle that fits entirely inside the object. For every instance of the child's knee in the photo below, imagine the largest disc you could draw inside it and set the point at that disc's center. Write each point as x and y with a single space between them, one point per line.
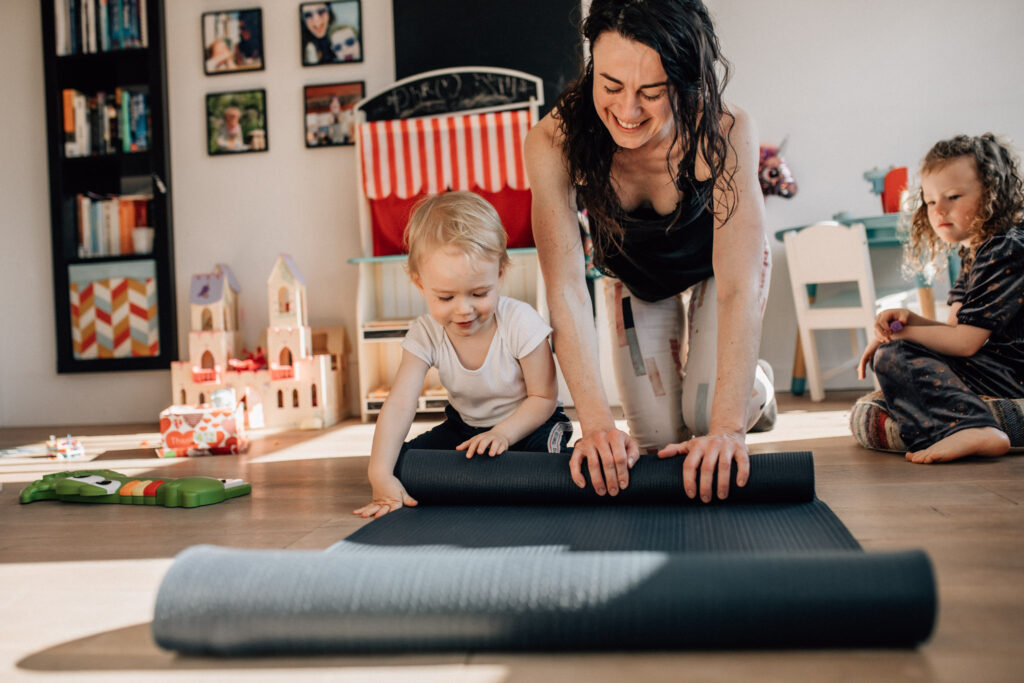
890 359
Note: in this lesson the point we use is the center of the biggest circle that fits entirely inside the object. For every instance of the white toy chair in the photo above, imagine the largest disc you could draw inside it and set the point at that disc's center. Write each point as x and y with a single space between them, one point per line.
829 252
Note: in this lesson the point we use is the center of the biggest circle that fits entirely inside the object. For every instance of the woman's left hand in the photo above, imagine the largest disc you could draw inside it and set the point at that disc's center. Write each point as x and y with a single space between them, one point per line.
705 454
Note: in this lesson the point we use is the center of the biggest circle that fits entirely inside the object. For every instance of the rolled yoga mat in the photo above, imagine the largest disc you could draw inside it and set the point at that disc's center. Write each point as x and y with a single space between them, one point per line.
571 575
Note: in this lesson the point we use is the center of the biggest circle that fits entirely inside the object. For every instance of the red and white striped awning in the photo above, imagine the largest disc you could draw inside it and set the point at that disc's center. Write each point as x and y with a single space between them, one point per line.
410 156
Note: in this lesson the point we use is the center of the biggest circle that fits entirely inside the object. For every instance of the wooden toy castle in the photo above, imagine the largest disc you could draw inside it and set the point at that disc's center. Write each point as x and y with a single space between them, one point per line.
297 388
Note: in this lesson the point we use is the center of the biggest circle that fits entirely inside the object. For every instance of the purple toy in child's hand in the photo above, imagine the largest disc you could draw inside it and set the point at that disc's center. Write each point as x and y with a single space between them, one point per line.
895 326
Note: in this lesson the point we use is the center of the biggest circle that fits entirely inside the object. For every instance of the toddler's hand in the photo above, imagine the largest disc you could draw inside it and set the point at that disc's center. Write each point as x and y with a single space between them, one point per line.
869 355
388 496
491 442
889 321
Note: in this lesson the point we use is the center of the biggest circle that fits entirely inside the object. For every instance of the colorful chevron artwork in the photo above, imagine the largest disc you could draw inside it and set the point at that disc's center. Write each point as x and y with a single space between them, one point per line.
115 318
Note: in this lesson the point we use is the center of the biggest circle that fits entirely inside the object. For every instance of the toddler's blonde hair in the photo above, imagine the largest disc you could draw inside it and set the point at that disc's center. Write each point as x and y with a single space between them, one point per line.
464 220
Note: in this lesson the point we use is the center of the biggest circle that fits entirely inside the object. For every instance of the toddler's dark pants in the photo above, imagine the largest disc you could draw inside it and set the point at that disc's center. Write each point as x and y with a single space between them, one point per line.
932 396
551 437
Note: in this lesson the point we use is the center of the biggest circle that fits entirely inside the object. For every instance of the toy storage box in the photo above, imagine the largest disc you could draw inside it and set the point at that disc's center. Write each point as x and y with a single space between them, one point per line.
202 430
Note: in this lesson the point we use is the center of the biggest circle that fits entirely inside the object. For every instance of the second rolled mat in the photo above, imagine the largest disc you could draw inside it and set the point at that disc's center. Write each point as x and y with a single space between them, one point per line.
449 478
501 555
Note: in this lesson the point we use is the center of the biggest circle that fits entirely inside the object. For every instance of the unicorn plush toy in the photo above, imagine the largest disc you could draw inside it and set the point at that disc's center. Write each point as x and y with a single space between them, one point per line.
774 173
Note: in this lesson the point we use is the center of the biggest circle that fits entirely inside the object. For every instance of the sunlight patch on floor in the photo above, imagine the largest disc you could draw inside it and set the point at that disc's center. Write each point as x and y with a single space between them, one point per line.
25 470
800 425
339 442
94 445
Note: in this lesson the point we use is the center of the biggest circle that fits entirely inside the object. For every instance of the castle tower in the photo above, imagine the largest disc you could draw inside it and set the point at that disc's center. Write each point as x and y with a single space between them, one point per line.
213 300
288 335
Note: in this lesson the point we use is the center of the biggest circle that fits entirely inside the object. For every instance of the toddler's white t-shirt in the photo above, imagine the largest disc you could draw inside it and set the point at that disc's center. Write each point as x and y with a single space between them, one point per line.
485 396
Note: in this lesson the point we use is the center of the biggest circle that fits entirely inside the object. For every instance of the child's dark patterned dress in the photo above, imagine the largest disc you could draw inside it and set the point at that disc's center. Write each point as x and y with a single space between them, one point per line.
931 395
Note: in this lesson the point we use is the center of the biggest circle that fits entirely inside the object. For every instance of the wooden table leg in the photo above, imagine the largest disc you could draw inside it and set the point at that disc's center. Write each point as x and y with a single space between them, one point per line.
926 297
798 383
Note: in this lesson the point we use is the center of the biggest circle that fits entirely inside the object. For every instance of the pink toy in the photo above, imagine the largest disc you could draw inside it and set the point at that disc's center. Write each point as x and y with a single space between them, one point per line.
774 173
252 362
202 430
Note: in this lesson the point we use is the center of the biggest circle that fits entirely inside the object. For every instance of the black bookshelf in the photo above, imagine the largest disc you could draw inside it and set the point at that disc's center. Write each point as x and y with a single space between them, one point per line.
111 173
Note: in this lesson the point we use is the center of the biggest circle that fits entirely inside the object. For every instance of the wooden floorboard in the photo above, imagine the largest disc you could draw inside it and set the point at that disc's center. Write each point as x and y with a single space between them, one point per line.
78 581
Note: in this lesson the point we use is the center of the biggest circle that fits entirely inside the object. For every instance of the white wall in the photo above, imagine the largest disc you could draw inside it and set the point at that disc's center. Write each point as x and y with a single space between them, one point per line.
854 85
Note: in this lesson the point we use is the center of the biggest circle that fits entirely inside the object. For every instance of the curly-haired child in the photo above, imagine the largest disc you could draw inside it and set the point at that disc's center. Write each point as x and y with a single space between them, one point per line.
933 374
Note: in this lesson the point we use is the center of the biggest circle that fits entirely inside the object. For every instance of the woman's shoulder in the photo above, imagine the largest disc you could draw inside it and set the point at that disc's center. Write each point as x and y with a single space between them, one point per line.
739 126
545 160
546 136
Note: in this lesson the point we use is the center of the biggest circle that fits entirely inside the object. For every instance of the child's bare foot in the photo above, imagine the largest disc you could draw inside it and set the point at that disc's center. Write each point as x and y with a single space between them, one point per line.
987 441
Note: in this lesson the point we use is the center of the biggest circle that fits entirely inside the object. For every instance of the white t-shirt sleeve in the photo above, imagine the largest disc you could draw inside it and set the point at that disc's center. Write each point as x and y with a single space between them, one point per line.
525 329
422 339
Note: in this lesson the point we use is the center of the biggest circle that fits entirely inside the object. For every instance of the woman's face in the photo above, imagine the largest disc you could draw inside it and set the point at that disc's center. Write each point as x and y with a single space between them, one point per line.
631 91
317 17
345 44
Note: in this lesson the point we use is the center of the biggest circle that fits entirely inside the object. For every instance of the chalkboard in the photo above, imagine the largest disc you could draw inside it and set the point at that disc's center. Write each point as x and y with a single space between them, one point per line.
538 37
450 91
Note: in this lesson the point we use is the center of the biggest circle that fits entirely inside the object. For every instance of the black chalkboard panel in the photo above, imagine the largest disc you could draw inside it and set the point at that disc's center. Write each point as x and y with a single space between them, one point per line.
440 93
536 36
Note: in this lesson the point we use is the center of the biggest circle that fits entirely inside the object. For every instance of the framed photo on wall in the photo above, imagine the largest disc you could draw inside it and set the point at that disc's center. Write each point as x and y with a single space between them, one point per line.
236 122
332 32
232 41
331 113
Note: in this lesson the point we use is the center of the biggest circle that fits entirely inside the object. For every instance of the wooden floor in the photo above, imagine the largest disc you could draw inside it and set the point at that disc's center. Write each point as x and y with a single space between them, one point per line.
78 582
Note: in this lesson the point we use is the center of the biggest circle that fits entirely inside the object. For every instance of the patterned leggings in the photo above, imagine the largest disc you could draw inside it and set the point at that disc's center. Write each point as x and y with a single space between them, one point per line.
664 355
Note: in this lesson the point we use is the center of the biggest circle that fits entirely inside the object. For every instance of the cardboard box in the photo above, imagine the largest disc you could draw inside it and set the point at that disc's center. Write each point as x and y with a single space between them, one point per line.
202 430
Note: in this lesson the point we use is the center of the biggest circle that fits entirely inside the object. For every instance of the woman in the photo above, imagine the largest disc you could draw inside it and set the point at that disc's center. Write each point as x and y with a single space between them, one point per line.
317 18
667 172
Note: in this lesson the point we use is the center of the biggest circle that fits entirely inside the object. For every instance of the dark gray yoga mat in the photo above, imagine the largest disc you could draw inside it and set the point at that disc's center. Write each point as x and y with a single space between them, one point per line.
596 574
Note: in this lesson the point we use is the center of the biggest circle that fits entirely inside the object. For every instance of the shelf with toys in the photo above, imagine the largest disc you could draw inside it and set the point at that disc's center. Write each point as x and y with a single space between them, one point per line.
388 302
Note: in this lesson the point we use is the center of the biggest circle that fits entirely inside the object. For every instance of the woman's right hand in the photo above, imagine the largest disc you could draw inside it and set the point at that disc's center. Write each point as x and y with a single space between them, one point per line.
388 496
610 453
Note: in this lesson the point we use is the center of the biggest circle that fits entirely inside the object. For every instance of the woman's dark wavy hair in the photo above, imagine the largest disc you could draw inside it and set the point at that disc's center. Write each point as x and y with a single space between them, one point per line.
682 34
1002 196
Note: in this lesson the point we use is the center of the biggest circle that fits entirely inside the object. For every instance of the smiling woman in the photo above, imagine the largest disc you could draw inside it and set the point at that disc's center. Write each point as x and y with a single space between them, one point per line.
631 92
666 171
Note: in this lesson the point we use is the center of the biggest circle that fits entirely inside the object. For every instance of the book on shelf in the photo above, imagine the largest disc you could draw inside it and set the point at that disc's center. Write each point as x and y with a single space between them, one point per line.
104 223
105 122
89 26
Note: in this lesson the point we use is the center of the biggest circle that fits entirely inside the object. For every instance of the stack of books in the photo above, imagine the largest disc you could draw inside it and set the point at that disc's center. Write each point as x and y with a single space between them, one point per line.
105 223
105 123
84 26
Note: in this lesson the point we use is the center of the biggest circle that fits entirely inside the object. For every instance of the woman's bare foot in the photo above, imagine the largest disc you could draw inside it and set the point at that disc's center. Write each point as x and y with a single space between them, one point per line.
987 441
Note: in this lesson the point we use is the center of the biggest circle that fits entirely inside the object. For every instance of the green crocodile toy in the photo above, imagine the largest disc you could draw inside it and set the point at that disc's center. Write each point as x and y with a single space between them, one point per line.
106 486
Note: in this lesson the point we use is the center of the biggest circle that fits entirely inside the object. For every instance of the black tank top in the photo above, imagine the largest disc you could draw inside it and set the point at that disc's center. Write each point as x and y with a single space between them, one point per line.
661 256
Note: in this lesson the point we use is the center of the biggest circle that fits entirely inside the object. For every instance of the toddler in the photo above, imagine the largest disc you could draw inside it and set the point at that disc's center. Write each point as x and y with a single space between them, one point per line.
491 351
931 373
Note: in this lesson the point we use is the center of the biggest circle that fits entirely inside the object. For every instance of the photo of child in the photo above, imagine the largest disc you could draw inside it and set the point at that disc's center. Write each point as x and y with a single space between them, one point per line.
232 41
236 122
330 113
